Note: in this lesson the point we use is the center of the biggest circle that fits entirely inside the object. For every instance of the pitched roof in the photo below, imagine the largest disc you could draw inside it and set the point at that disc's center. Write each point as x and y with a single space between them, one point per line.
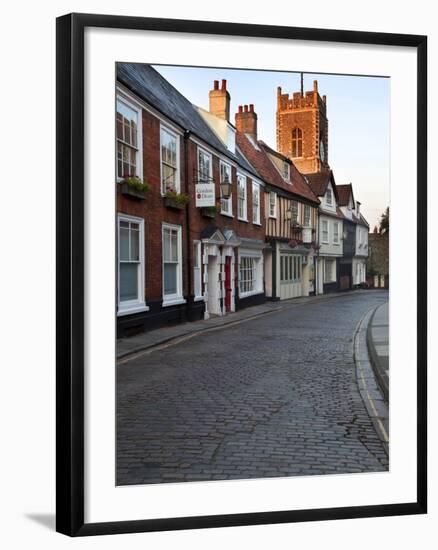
256 153
318 181
344 192
361 220
152 87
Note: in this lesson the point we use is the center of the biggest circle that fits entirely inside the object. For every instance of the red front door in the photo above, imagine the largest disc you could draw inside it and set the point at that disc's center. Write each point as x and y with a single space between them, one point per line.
227 283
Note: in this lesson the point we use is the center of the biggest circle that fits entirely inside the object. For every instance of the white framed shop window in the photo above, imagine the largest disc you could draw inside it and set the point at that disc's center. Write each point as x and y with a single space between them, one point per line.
130 265
172 265
250 273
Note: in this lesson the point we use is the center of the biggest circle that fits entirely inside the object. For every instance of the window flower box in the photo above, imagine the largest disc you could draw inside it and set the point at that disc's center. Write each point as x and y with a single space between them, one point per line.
174 200
134 187
209 211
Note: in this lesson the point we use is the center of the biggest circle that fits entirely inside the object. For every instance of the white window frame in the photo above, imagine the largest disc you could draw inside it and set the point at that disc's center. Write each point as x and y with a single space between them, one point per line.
139 154
197 259
210 171
241 177
132 306
335 236
256 189
258 274
286 171
164 128
332 274
177 298
322 232
329 193
272 206
307 206
228 211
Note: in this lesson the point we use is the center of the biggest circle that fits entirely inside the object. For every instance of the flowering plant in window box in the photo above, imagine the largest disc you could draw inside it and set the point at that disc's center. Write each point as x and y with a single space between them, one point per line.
210 211
173 199
133 186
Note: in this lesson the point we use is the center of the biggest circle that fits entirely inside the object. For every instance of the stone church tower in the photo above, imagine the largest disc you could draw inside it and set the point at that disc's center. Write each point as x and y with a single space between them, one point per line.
302 129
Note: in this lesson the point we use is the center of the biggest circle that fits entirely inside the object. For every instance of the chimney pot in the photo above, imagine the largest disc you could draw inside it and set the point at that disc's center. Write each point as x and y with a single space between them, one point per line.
224 84
246 120
216 85
315 85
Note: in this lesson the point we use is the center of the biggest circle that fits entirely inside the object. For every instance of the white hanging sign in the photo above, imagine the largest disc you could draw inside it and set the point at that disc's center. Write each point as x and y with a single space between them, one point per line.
205 194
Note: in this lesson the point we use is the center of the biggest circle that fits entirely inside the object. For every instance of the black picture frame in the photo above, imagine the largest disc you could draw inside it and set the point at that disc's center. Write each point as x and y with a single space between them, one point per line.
70 273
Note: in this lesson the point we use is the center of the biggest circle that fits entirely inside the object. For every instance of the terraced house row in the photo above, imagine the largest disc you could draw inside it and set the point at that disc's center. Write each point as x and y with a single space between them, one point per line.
210 219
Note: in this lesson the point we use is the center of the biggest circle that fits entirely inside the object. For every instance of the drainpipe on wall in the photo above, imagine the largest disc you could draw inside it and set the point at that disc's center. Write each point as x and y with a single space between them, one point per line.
187 134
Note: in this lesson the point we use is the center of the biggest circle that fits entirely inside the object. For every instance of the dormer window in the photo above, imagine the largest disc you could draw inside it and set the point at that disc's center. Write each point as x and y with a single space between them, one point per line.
286 171
297 142
329 197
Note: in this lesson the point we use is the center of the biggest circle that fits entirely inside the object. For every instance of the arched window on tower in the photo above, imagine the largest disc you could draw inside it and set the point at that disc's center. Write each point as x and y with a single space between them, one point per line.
297 142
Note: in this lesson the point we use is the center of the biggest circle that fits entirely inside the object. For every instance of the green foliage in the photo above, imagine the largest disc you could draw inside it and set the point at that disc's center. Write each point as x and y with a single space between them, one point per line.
212 209
178 198
136 183
384 221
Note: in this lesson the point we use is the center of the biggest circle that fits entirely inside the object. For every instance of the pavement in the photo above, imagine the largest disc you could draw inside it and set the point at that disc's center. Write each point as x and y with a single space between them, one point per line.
143 341
288 393
378 346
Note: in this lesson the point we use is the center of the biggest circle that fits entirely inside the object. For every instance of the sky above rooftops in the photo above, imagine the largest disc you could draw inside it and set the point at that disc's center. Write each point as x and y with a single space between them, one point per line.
357 110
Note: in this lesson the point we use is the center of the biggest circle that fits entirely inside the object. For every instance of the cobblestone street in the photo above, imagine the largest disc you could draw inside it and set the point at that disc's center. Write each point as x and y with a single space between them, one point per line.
272 396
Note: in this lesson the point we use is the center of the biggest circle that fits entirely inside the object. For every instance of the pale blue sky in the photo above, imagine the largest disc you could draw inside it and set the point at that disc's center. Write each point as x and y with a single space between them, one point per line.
357 109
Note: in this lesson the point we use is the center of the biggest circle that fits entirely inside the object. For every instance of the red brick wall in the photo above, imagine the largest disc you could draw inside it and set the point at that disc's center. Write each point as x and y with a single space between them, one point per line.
309 114
198 222
154 213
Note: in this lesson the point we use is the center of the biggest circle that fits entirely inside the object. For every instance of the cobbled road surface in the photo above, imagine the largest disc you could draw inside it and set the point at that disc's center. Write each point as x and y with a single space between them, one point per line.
274 396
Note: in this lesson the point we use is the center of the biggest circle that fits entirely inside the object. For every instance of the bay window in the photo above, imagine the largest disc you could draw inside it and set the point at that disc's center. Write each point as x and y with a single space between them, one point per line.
247 275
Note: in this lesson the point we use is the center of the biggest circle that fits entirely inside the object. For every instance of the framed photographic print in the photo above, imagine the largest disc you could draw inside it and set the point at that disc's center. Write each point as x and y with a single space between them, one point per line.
241 274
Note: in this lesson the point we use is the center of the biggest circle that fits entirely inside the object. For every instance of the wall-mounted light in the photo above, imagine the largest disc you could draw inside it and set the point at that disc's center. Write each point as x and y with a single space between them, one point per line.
226 187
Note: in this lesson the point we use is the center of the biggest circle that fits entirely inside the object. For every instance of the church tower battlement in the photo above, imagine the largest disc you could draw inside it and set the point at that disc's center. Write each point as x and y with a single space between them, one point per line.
302 129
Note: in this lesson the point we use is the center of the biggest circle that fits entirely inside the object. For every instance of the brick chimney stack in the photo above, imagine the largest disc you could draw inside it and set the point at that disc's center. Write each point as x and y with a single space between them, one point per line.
220 100
246 120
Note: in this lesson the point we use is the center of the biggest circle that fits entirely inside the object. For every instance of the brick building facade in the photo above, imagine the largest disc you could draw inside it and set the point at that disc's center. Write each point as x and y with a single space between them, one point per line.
279 234
177 261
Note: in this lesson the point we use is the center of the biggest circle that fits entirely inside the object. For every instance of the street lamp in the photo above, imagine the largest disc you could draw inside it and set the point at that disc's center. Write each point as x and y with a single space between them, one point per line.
226 187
